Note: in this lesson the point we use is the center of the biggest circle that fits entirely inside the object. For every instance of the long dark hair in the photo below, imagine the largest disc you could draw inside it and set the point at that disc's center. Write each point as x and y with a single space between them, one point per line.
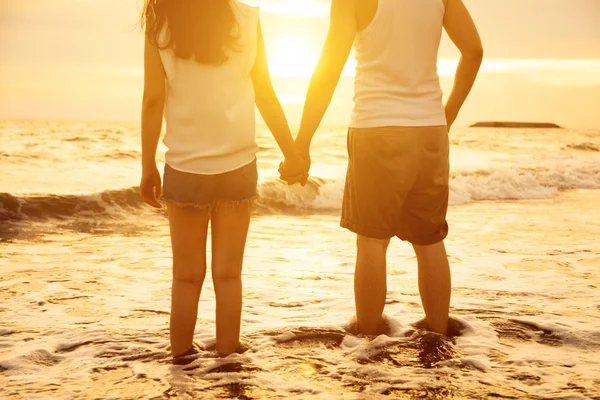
202 30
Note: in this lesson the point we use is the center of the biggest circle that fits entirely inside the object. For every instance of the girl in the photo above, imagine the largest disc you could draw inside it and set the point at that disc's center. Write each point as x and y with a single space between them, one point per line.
205 61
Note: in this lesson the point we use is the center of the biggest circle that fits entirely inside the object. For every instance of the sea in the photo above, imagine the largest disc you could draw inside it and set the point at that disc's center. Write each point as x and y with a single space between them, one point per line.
85 277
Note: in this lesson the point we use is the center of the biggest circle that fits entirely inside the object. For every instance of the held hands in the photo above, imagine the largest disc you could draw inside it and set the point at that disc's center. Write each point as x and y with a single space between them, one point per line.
293 171
151 186
296 169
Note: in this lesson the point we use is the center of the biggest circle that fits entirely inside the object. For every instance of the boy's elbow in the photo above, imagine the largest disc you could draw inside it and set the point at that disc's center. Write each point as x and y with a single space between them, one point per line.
475 53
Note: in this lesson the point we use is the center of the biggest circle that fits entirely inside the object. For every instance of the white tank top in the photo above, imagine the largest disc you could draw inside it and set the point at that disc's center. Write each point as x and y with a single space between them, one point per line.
396 82
210 108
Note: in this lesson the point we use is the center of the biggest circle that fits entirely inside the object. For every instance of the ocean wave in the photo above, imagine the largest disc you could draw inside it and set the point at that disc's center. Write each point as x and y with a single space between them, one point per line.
41 207
521 184
583 147
481 185
317 197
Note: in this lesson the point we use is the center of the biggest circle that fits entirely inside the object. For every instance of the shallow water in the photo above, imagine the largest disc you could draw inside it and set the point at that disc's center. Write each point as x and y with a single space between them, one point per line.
85 283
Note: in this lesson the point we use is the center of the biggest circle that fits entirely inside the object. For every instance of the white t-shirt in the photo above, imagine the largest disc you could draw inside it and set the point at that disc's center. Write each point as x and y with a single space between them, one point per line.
210 108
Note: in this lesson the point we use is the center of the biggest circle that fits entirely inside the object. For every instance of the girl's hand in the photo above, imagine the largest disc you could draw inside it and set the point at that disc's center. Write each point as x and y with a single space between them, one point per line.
151 186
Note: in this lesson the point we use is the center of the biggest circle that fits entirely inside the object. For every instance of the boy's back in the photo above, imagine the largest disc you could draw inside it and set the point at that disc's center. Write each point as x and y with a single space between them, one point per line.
396 80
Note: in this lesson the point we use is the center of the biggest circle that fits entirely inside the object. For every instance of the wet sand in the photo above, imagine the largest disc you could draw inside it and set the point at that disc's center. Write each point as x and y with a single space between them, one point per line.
86 315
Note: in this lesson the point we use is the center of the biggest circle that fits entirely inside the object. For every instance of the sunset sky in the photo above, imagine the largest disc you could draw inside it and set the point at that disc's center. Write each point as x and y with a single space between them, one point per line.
82 59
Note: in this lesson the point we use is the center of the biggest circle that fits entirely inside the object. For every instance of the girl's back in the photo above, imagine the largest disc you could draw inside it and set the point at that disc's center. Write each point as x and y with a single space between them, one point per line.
206 61
210 104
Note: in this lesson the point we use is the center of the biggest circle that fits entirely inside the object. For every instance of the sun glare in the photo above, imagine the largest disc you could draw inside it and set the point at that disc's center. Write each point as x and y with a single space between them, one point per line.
291 56
304 8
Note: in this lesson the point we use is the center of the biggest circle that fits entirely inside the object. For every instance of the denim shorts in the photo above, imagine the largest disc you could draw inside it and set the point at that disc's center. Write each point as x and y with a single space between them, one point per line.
205 191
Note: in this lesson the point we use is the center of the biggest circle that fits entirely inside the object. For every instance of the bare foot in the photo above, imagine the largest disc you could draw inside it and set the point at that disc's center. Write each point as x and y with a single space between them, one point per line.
383 329
455 327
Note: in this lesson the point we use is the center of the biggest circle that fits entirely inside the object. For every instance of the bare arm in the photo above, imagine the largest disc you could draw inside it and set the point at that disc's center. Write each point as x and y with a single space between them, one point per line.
153 104
462 31
267 102
342 31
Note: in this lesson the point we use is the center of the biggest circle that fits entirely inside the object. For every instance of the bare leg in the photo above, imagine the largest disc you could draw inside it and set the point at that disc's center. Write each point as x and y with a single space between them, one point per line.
188 239
229 231
370 285
434 285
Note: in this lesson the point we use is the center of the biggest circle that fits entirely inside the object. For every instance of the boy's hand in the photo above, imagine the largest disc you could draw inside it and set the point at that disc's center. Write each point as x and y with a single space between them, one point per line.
304 152
450 117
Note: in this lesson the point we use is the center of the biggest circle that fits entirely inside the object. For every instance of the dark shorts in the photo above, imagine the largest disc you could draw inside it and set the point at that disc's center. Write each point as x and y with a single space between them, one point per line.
397 183
204 191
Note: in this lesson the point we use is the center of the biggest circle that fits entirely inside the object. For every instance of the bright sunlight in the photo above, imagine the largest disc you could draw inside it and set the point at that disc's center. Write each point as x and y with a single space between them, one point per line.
291 56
